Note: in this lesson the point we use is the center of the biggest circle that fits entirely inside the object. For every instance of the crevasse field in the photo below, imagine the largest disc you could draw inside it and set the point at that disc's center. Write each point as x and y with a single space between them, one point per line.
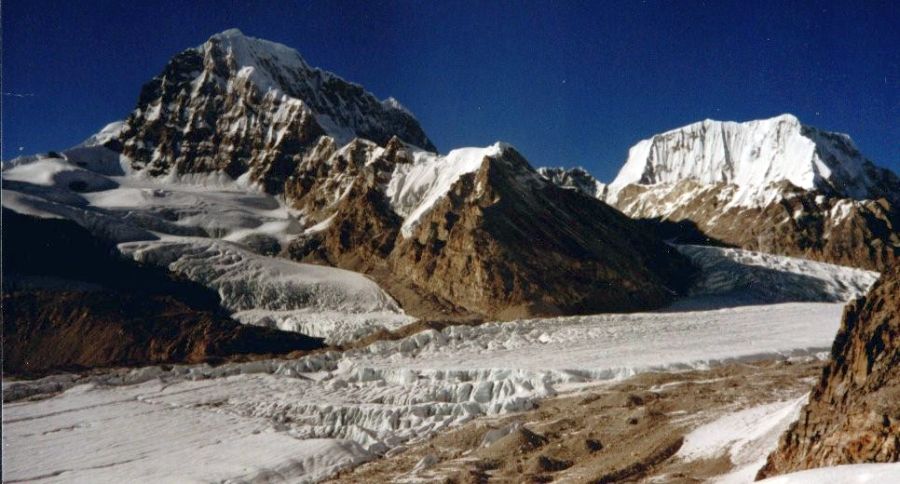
305 418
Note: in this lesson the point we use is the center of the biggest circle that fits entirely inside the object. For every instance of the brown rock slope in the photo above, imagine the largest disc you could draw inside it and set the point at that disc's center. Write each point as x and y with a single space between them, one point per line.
70 302
860 233
52 330
853 414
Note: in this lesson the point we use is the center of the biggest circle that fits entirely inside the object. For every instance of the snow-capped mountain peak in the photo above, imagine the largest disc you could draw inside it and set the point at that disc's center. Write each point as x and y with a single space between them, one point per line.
755 156
249 51
237 104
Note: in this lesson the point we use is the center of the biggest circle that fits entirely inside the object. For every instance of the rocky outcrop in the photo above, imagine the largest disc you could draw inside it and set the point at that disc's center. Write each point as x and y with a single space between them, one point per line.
48 330
860 233
853 414
575 178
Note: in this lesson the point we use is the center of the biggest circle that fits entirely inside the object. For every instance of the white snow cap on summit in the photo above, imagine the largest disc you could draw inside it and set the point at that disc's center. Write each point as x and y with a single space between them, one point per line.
258 57
344 109
752 155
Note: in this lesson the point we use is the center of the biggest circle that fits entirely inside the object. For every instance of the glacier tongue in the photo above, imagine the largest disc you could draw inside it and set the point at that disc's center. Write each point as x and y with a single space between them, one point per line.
211 230
303 419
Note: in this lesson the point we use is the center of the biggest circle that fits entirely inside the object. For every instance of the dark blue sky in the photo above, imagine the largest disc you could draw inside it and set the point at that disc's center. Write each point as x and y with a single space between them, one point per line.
568 83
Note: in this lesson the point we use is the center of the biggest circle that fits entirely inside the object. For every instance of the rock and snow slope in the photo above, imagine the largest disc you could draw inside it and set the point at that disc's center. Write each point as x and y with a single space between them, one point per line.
243 105
853 413
214 232
575 178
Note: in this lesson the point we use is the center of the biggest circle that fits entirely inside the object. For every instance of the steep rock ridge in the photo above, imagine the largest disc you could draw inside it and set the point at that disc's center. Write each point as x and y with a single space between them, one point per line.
480 232
238 104
525 247
853 414
771 185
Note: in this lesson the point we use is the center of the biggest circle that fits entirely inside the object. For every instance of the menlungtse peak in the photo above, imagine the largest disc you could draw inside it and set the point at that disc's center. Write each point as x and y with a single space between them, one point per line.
755 155
237 104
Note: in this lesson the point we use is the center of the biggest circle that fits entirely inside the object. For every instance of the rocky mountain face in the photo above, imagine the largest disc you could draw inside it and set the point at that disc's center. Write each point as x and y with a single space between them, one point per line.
241 105
773 185
853 414
474 233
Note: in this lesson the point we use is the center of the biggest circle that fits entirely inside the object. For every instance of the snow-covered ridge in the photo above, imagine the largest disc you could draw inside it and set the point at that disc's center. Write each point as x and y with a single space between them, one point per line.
415 188
754 156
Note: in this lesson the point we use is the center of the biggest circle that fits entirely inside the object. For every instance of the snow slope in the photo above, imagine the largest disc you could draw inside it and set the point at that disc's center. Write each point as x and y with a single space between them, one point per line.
846 474
746 436
365 402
